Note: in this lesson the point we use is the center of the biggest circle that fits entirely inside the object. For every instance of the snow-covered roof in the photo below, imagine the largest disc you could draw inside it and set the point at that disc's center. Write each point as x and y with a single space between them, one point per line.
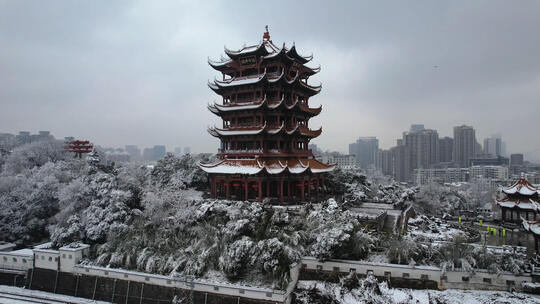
265 47
272 130
219 85
268 49
255 166
521 204
219 64
75 247
5 246
46 245
294 54
522 187
25 251
218 109
532 226
237 81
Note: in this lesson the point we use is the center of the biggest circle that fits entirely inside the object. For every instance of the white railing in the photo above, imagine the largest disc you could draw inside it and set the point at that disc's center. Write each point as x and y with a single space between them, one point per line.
480 279
8 266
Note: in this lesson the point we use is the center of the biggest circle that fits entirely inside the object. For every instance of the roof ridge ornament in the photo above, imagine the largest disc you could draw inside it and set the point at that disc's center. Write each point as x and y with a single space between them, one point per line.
266 34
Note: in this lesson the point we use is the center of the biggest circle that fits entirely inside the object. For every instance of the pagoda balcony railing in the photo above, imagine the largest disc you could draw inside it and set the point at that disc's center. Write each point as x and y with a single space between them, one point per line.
273 75
265 151
242 77
244 126
287 151
247 99
240 151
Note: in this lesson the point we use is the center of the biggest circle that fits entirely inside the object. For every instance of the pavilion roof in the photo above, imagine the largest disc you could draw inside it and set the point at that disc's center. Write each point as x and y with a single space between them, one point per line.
265 48
531 226
524 204
521 187
276 166
294 54
297 130
219 109
219 85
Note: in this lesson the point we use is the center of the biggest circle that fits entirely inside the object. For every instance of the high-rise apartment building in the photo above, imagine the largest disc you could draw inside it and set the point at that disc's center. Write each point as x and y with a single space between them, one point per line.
401 160
365 149
464 145
446 149
134 152
416 127
423 147
159 152
493 146
384 161
516 159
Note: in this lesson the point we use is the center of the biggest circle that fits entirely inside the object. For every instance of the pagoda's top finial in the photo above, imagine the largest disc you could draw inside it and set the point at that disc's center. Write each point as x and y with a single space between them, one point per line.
266 35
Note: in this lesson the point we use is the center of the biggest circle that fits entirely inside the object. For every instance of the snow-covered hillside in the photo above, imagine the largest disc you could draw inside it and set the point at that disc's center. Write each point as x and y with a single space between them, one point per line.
157 219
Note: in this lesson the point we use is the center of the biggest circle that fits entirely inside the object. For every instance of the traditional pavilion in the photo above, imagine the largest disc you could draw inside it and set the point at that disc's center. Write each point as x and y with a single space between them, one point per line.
521 201
265 132
534 228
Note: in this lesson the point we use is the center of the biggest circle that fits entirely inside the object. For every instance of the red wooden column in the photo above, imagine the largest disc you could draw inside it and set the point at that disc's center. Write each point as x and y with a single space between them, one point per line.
214 194
309 187
227 189
322 185
267 188
281 190
302 191
260 190
246 189
317 186
289 189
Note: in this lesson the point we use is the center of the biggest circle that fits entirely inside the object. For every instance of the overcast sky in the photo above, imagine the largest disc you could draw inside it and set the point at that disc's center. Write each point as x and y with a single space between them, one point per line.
136 72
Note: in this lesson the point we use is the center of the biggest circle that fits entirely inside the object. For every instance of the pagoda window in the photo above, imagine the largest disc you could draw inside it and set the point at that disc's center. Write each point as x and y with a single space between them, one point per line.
249 72
272 95
292 74
245 145
271 120
271 145
245 121
244 97
271 69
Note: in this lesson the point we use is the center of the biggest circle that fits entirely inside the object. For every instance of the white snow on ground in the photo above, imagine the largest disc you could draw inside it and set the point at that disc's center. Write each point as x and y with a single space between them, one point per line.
432 229
453 296
370 293
21 293
378 258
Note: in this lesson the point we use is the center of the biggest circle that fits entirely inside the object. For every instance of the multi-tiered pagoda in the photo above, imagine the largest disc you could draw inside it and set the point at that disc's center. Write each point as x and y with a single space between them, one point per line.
265 132
522 202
